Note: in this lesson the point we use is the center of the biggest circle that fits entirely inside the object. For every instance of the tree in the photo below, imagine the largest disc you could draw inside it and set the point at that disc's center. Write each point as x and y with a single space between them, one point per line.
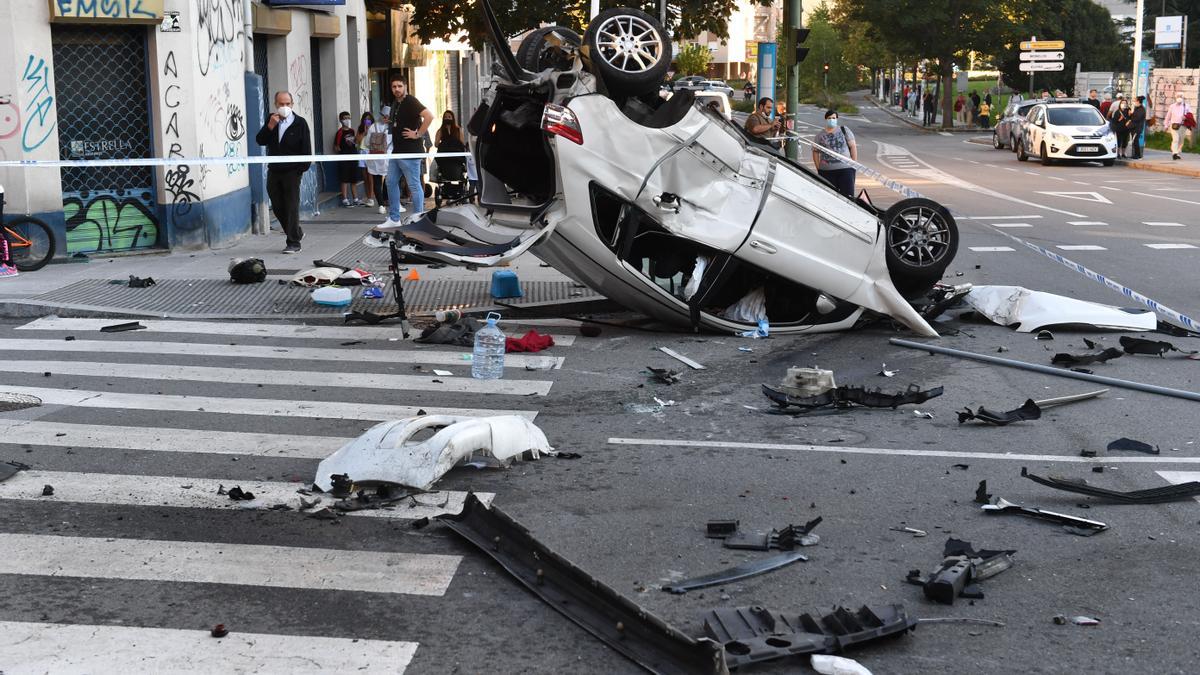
693 59
446 18
938 30
1091 36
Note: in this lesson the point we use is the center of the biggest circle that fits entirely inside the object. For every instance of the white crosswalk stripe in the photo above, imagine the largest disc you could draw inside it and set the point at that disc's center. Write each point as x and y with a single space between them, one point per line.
172 468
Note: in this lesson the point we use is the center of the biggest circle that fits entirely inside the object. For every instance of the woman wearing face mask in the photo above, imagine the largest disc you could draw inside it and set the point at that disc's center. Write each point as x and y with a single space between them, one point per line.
833 169
379 142
1174 121
348 172
1120 125
360 140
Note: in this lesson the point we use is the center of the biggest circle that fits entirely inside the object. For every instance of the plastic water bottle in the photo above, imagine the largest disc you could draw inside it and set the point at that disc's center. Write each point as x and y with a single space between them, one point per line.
487 361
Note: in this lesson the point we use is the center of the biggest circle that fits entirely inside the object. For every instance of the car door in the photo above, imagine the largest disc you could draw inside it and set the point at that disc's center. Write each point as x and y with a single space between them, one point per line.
1034 130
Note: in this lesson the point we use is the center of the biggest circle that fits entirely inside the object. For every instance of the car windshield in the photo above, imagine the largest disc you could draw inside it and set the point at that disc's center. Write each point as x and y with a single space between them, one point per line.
1075 117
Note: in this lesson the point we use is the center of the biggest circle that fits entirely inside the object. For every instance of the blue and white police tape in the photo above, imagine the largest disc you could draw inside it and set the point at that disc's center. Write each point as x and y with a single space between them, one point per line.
254 159
1178 318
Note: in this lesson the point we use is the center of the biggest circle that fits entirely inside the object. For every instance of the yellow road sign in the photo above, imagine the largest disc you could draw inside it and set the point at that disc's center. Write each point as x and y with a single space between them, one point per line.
1044 44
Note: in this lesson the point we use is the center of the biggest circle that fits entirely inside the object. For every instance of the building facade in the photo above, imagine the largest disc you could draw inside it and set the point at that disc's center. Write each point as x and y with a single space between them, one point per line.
186 79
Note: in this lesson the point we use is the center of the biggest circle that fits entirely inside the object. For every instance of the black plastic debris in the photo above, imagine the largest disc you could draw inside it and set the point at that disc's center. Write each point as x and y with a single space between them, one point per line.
122 327
1084 359
1044 335
236 493
139 282
1073 524
1158 495
1133 446
982 496
743 571
664 375
559 454
846 396
756 634
719 529
219 631
1133 345
342 485
420 523
783 539
47 490
961 569
1028 411
10 469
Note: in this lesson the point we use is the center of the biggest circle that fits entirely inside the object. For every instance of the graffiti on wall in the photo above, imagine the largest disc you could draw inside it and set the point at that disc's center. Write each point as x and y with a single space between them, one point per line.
364 91
10 118
108 222
107 9
172 100
1166 83
218 30
298 82
40 118
235 123
179 186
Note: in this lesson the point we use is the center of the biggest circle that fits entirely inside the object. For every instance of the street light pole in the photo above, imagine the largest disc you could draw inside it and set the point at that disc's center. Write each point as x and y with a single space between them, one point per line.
1137 46
795 10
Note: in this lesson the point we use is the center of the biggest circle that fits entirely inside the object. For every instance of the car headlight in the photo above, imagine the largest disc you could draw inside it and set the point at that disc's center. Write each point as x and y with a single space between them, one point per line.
1059 138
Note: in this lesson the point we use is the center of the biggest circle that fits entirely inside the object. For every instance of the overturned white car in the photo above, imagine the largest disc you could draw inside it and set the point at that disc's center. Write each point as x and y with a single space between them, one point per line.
666 206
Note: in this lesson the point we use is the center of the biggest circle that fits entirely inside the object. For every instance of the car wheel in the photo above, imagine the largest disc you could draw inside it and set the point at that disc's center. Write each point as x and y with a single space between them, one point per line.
1045 156
1021 155
1109 162
1012 143
543 48
996 143
922 239
628 49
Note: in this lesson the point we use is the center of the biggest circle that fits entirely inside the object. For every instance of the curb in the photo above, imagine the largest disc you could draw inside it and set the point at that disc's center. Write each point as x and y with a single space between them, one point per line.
915 125
1178 170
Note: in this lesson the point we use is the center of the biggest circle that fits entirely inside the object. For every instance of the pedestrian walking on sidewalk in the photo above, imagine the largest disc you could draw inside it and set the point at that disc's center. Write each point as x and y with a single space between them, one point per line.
1118 121
1137 125
379 142
985 115
410 123
284 134
348 172
1106 105
975 103
1174 122
831 168
360 141
928 104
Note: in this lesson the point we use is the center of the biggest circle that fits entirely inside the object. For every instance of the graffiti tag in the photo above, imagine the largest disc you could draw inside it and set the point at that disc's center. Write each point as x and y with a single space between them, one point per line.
107 223
235 128
298 81
10 118
219 26
179 186
103 9
40 107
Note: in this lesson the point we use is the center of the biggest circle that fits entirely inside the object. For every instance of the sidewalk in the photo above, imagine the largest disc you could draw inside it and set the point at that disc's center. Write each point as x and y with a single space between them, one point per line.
1160 161
196 284
915 122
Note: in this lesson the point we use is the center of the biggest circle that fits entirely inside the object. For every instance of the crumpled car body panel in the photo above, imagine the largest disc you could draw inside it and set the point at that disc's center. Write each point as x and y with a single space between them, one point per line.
1033 310
388 452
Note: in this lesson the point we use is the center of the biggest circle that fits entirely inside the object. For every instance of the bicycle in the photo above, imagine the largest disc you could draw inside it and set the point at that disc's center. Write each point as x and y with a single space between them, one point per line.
30 242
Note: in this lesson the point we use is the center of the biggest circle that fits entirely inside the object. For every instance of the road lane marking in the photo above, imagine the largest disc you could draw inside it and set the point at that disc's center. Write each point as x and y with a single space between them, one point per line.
82 398
298 378
1161 223
1033 173
1163 247
1080 247
902 452
1109 187
220 563
30 647
997 217
989 249
262 329
1086 222
376 356
1007 225
154 491
1174 199
163 439
1083 196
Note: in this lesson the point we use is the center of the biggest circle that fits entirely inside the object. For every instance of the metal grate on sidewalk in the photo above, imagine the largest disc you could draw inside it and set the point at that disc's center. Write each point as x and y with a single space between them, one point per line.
221 299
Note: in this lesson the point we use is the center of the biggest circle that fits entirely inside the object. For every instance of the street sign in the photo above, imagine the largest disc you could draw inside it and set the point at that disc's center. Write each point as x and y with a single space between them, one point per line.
1044 44
1168 32
1042 56
1040 65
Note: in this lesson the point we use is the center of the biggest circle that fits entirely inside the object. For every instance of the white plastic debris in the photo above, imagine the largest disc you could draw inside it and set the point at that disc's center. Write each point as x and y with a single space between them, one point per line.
923 415
1032 310
827 664
388 453
883 370
693 284
808 382
752 308
334 296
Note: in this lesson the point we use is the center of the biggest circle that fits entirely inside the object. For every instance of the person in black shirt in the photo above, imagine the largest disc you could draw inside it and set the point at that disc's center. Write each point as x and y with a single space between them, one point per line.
410 120
286 133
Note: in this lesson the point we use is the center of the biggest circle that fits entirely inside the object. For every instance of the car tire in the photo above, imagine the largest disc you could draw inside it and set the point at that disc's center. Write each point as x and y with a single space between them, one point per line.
1109 162
1045 156
1012 143
628 49
922 239
536 53
1021 156
996 142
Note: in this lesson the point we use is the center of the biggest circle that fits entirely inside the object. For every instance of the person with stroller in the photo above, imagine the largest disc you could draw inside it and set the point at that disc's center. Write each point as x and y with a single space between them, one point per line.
451 171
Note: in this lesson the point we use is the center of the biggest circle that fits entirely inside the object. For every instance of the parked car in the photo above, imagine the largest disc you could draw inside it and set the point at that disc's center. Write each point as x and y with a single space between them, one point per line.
1067 131
689 82
717 85
664 205
1008 130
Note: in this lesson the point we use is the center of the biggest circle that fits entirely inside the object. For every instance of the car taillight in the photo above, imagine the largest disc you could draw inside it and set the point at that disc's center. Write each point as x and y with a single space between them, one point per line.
560 121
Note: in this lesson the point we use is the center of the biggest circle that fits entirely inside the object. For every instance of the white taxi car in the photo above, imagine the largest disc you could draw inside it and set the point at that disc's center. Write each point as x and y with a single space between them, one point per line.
1067 132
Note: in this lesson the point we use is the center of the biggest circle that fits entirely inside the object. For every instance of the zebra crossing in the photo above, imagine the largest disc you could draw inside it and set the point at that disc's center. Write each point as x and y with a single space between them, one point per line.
136 434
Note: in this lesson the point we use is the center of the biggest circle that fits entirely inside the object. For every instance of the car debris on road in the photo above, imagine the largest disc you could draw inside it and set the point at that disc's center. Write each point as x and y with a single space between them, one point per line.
960 571
1158 495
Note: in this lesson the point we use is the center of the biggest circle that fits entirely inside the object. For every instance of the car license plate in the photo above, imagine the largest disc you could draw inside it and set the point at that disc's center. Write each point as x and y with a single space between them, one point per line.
1086 148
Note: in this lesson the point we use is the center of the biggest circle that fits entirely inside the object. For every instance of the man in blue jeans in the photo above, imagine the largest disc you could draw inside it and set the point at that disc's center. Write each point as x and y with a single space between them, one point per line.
410 119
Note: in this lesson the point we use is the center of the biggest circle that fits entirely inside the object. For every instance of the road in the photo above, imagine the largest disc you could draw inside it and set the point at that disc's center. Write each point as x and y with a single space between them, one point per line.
135 555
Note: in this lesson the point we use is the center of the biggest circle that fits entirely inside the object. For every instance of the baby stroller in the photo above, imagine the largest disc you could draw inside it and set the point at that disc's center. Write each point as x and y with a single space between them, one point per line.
451 181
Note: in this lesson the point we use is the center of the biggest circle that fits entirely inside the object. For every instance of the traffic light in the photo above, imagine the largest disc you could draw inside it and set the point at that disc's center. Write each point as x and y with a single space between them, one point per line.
825 67
799 35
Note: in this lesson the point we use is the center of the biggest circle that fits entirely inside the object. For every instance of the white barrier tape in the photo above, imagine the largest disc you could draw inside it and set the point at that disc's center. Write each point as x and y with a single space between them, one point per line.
256 159
1178 318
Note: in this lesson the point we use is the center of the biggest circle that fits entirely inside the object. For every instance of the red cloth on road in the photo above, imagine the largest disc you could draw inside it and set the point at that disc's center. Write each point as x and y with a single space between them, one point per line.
531 342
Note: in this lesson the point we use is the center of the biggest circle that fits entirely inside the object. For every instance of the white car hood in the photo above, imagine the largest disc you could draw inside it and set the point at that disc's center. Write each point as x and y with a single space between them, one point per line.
1032 310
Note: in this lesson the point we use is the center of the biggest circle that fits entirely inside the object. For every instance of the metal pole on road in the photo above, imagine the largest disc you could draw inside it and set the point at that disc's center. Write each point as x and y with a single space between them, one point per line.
795 10
1137 46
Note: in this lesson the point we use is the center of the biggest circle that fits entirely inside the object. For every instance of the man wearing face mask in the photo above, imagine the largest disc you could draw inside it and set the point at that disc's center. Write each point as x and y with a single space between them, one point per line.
286 133
410 120
831 168
1173 122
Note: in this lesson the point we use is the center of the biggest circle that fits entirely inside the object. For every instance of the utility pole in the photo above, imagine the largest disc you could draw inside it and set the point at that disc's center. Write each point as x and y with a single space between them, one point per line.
1137 47
793 14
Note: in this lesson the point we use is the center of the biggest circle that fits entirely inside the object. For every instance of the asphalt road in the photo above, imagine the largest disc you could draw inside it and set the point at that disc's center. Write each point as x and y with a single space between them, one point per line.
162 562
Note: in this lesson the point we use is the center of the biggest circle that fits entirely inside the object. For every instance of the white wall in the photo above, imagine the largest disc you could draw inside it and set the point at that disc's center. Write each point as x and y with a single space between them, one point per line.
29 120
